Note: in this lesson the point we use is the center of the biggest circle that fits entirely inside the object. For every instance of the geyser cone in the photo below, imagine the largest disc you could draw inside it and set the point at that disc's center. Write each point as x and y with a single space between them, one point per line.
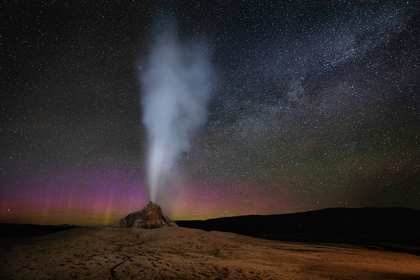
150 217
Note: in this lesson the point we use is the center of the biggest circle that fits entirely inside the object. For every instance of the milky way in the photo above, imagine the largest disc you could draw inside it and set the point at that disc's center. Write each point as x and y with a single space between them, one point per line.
316 104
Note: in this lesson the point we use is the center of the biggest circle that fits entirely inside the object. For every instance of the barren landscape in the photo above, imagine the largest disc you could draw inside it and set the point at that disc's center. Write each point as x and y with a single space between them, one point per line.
181 253
210 140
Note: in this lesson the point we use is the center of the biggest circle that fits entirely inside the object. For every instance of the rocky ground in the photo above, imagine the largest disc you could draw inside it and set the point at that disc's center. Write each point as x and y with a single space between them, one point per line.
181 253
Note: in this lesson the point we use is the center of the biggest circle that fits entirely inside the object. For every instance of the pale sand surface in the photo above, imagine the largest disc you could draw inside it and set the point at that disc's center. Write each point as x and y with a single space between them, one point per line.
181 253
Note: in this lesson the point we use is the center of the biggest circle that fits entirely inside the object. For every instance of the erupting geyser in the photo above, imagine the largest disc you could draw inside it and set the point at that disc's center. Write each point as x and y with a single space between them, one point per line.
176 90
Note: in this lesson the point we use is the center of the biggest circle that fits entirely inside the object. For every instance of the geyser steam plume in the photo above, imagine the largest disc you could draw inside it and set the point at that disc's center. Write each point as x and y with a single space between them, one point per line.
176 91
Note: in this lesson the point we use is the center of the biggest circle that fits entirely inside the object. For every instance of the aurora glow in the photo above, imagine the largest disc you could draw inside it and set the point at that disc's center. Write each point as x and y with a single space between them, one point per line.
317 104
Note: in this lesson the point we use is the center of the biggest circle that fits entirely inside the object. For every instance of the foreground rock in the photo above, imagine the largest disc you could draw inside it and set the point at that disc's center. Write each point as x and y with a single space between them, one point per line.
150 217
182 253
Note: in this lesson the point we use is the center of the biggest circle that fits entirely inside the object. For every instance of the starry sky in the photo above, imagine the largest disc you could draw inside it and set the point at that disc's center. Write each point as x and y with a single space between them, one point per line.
316 104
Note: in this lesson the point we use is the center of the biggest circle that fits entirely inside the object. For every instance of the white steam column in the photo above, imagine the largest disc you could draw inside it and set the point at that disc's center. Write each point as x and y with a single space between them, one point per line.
175 94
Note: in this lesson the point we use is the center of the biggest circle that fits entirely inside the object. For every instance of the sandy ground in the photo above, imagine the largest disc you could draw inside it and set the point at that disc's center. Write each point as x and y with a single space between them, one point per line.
181 253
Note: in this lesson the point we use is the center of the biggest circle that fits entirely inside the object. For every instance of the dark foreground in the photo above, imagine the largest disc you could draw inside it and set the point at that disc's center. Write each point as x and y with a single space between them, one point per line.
181 253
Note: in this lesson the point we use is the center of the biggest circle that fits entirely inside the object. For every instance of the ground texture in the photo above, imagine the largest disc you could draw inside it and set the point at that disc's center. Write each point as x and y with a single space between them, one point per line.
181 253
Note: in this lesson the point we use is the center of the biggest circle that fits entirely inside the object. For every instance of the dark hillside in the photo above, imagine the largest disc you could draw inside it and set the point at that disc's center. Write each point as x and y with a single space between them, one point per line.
326 225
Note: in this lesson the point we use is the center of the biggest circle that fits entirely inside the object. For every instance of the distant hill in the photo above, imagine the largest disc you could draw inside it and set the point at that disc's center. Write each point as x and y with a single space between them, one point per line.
29 230
400 225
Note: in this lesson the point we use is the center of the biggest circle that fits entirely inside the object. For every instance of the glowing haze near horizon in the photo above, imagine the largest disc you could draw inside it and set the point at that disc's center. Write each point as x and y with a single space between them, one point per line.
316 104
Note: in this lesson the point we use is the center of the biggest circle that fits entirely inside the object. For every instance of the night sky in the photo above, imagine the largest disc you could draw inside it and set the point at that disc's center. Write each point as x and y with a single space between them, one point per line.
315 104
